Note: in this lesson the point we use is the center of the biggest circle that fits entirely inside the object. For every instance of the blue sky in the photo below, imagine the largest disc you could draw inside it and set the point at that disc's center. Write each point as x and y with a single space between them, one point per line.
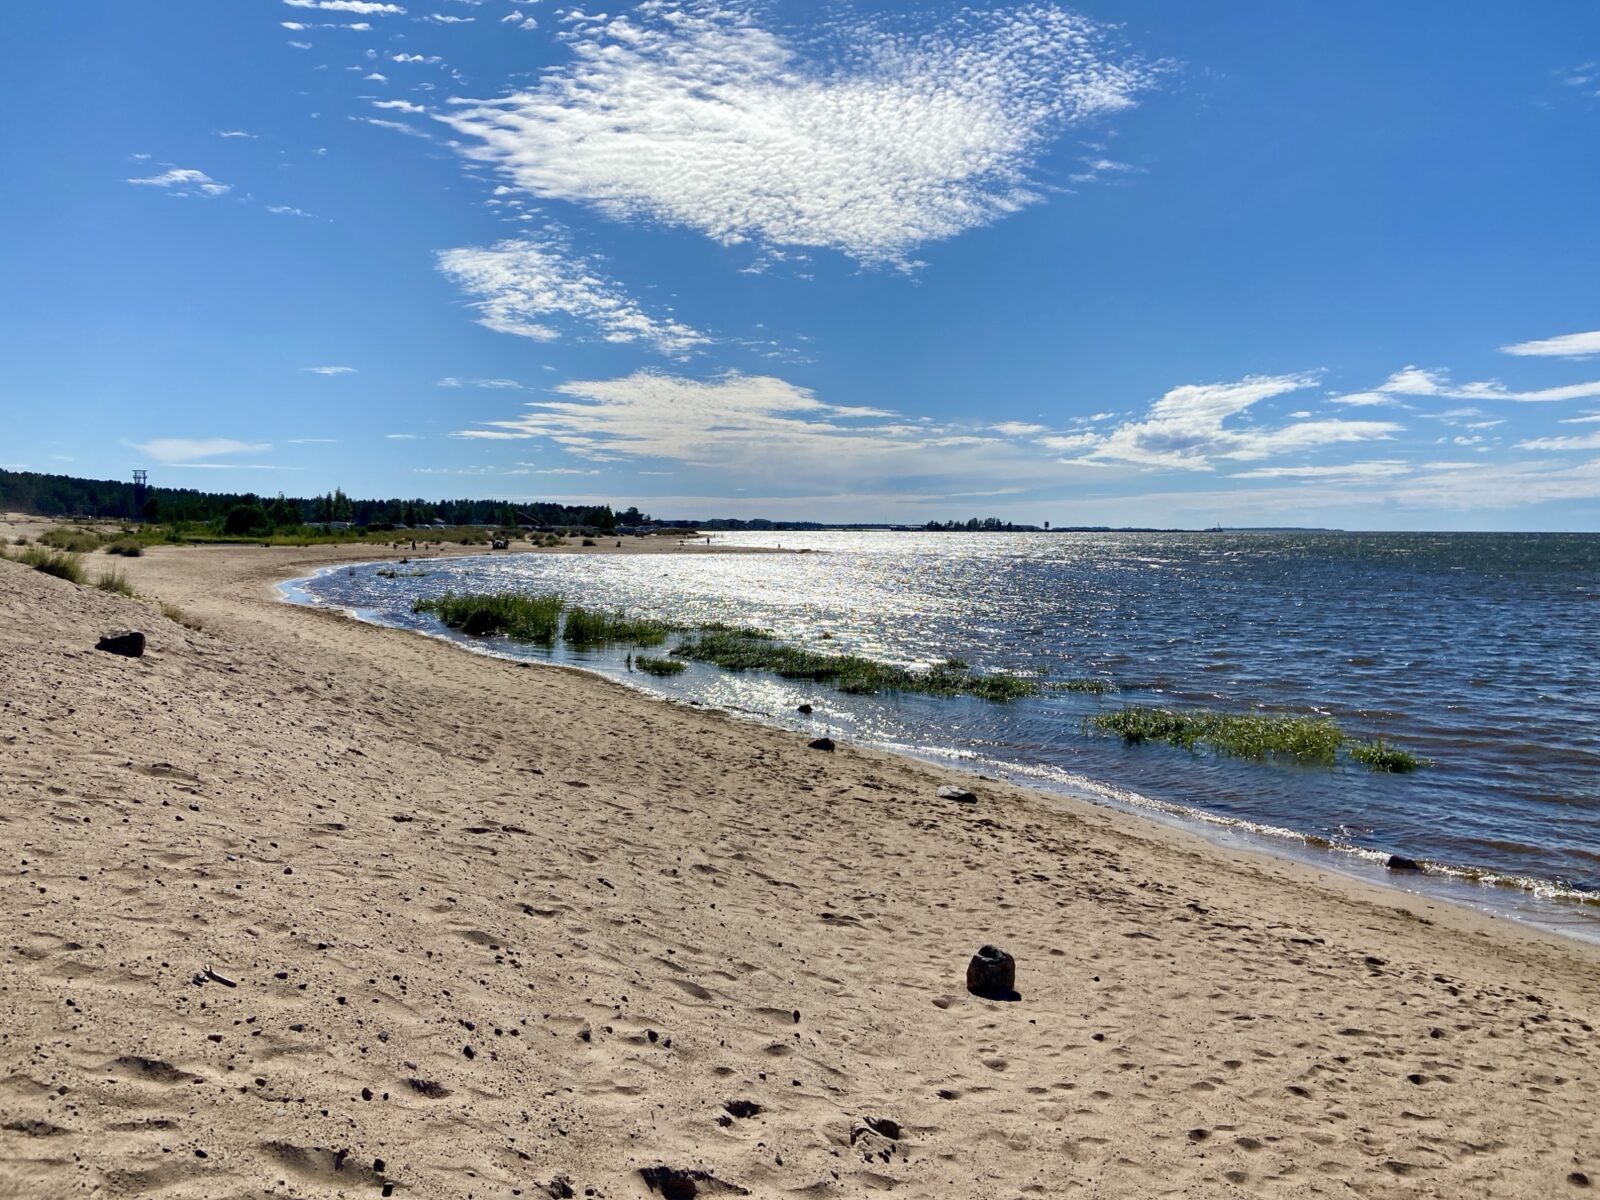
1253 263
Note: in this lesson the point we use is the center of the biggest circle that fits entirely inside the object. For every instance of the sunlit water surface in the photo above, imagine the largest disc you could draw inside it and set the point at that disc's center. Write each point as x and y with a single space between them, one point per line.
1476 651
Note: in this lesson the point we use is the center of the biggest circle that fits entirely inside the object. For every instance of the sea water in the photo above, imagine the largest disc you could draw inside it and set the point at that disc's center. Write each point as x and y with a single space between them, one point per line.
1476 651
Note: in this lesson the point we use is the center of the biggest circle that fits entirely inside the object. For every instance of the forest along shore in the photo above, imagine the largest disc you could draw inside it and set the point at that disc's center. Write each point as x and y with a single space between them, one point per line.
297 903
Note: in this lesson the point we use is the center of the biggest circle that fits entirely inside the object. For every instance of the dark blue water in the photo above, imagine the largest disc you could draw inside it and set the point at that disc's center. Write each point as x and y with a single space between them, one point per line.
1476 651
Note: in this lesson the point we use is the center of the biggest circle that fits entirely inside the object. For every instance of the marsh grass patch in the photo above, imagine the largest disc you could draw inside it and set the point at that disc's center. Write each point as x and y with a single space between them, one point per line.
1255 736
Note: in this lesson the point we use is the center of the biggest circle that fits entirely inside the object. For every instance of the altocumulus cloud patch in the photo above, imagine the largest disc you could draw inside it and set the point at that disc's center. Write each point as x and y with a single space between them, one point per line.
876 143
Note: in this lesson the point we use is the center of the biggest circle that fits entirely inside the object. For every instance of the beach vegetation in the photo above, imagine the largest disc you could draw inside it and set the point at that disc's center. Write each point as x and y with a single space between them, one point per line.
126 547
736 649
659 666
114 581
599 627
1313 741
74 541
63 564
175 614
514 615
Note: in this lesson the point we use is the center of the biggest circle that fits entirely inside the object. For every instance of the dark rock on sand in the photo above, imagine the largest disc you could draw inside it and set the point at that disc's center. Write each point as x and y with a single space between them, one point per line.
676 1184
822 743
992 974
885 1127
742 1109
129 644
1399 862
804 708
959 794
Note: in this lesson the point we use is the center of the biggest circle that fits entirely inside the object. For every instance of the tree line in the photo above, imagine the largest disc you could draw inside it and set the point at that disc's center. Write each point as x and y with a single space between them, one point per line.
249 513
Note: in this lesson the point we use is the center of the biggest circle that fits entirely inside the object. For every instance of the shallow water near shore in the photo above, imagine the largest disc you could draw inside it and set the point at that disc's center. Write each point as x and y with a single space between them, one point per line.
1470 649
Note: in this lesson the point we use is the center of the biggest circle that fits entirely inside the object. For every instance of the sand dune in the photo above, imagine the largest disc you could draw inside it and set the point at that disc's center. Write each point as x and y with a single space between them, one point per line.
482 930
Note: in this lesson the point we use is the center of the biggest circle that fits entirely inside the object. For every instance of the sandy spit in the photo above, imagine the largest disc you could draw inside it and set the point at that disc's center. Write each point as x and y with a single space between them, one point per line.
482 930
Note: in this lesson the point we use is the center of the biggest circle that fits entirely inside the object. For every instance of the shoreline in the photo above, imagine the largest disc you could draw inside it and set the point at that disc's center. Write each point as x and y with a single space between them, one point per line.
634 913
1536 903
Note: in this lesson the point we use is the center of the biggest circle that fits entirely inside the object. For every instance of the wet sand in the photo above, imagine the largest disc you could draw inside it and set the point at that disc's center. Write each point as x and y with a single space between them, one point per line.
499 930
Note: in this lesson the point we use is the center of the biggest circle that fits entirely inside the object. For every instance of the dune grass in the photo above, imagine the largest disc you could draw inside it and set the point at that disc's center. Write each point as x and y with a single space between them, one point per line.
1248 735
659 666
599 627
173 613
62 564
509 614
74 541
126 547
114 581
747 650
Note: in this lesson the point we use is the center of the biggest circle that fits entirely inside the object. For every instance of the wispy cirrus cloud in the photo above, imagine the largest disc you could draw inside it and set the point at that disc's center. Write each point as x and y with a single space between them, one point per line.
696 116
330 370
185 181
1569 345
175 451
520 286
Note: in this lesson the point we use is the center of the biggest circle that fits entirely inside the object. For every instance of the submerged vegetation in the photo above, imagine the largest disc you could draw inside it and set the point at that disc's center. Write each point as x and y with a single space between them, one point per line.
747 650
1249 735
1381 756
599 627
543 619
525 618
659 666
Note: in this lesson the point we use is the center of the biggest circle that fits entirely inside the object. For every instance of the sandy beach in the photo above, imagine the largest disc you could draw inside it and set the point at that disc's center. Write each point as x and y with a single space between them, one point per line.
301 907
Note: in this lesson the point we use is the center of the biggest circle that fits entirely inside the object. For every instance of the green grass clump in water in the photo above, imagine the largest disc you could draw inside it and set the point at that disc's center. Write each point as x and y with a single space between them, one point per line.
753 650
524 618
1253 736
1381 756
1093 685
114 581
60 563
598 627
659 666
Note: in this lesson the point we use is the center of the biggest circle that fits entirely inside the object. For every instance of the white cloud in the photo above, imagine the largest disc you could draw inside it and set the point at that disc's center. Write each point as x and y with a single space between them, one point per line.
185 181
1570 345
289 210
1587 441
399 106
519 285
313 441
1186 428
174 451
698 117
397 126
743 424
1357 470
1414 381
330 370
235 133
401 437
363 7
1017 428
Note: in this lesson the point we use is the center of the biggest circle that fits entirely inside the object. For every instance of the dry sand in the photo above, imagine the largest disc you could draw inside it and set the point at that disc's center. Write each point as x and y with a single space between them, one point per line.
501 931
